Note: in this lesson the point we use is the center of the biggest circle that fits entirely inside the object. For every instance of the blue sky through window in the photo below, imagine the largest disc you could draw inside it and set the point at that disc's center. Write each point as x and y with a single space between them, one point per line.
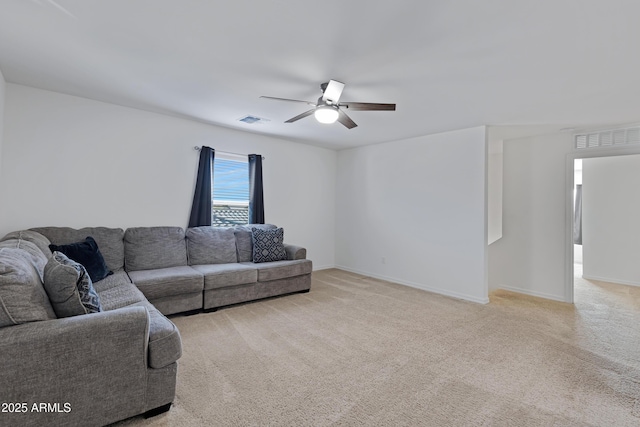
230 181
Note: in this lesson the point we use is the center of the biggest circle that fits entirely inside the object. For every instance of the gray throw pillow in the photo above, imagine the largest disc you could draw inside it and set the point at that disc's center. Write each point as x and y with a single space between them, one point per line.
268 245
38 259
31 236
69 287
22 296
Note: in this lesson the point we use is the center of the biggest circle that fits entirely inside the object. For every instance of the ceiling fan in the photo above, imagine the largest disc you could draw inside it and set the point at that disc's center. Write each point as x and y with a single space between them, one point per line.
328 107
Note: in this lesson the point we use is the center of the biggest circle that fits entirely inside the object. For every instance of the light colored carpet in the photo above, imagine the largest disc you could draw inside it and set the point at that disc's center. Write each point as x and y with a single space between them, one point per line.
357 351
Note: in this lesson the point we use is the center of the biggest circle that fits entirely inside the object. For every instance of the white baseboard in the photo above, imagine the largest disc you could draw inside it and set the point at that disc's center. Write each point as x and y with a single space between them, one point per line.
323 267
417 285
610 280
533 293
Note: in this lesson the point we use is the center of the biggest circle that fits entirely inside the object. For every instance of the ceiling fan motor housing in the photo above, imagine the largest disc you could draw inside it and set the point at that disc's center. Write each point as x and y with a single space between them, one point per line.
325 102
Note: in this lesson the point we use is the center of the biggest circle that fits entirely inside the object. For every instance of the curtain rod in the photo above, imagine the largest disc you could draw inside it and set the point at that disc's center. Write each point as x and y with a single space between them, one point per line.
197 148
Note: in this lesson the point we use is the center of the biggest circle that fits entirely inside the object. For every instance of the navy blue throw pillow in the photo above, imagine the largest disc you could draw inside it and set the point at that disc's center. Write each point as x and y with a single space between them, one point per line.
87 254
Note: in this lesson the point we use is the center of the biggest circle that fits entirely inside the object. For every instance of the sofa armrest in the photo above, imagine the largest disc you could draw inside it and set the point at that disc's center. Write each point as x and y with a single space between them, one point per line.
295 252
92 368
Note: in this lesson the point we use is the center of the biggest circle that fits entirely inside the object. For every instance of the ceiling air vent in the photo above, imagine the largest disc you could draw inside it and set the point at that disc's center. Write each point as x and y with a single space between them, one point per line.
607 138
252 120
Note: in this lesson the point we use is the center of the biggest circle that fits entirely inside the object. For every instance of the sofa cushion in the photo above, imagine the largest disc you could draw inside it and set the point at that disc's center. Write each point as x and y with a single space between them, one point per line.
22 296
165 344
164 282
281 269
31 236
88 254
223 275
109 241
116 279
38 259
268 245
150 248
244 243
120 295
69 287
211 245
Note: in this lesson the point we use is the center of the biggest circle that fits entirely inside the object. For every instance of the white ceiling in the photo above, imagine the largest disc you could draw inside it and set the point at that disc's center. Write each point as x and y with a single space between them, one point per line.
448 64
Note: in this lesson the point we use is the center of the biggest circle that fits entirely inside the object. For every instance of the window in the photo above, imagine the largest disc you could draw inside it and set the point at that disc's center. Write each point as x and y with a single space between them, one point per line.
230 192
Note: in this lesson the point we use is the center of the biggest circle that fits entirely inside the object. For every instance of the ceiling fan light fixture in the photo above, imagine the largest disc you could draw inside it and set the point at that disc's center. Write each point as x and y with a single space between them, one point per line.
326 114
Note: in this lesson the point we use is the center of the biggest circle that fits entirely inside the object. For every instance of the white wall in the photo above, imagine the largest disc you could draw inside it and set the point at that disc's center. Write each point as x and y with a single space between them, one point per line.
530 256
495 160
2 97
610 227
413 211
69 161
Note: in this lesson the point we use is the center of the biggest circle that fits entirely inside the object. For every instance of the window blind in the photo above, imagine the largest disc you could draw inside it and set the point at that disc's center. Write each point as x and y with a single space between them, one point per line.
230 181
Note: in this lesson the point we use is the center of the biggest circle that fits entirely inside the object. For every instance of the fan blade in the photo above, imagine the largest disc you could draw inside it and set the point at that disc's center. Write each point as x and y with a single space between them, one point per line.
289 100
367 106
346 120
301 116
333 91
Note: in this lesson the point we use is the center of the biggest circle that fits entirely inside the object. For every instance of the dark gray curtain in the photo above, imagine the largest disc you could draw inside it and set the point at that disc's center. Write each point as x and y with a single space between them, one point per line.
256 199
202 196
577 217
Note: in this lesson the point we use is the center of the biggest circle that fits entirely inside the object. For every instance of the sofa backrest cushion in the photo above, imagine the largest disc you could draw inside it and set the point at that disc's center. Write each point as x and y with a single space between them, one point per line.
244 243
109 240
149 248
211 245
69 287
22 296
31 236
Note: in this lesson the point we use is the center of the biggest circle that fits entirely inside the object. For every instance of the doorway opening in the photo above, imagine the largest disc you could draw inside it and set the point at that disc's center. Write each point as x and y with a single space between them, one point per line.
605 208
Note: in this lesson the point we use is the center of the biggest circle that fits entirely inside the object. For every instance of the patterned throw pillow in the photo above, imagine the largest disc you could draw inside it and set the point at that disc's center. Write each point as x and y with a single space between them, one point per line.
244 241
87 254
69 287
268 245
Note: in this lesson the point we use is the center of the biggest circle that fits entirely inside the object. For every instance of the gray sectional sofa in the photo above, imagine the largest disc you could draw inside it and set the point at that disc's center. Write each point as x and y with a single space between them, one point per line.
99 368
